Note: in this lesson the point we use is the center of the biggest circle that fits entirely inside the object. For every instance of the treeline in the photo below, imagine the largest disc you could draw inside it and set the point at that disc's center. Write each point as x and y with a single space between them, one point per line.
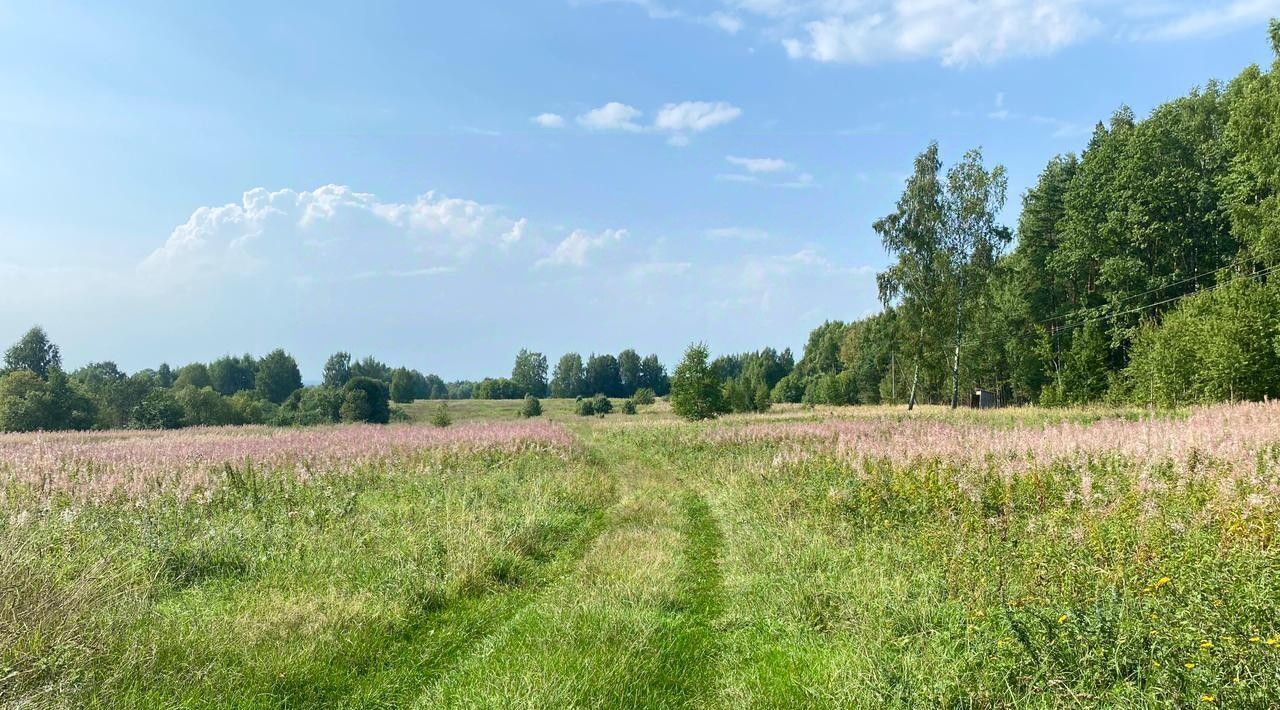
36 394
1142 270
620 376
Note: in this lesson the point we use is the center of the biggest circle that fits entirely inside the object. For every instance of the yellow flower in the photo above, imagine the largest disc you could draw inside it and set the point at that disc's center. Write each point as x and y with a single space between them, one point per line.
1189 666
1062 618
1155 663
1207 698
1206 644
1255 639
1161 582
1273 641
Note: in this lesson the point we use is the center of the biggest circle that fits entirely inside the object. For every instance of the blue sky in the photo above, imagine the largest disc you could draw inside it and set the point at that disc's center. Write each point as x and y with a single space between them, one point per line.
441 184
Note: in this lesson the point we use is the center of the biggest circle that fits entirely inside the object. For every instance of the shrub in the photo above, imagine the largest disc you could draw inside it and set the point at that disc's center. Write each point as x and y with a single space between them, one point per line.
644 395
355 406
441 417
158 410
601 404
629 406
532 407
585 407
377 397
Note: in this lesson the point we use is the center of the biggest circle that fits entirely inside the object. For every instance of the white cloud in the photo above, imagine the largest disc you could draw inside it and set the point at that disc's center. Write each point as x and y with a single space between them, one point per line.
966 32
759 165
958 33
549 120
725 22
695 116
575 248
327 232
613 116
1213 20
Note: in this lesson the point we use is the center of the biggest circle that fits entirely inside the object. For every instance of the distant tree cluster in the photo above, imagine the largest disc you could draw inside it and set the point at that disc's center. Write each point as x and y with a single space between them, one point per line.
620 376
36 394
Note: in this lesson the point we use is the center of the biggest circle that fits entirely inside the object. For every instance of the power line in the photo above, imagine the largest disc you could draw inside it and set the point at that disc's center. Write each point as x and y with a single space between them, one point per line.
1238 262
1072 326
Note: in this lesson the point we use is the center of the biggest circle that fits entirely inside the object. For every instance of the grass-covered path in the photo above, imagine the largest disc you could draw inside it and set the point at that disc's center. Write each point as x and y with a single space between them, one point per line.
631 625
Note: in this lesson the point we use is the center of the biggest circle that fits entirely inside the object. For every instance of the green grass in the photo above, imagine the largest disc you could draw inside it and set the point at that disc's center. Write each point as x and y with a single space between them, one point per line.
653 569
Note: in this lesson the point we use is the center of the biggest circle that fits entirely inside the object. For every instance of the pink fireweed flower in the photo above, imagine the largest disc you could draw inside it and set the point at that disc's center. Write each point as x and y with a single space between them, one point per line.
94 466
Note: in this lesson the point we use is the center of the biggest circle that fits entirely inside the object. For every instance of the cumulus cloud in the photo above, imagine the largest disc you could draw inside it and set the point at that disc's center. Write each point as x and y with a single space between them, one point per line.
327 232
549 120
613 116
575 248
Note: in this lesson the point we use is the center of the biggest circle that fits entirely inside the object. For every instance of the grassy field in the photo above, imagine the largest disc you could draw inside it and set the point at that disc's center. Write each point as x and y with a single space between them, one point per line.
800 558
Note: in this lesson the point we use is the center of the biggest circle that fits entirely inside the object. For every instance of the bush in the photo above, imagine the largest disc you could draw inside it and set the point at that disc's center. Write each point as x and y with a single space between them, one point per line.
601 404
644 395
585 407
531 407
377 397
159 410
629 406
441 417
355 406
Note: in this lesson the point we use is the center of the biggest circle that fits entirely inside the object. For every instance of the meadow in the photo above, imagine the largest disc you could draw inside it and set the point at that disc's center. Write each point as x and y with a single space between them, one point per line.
829 557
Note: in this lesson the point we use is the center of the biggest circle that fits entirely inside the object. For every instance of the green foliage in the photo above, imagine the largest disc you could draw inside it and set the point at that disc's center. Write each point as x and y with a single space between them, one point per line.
278 376
629 406
441 417
654 376
529 374
531 407
229 375
601 405
570 378
29 403
409 385
33 352
695 387
374 406
643 396
629 363
160 409
603 376
584 407
496 388
204 407
355 406
373 369
1215 346
194 375
337 370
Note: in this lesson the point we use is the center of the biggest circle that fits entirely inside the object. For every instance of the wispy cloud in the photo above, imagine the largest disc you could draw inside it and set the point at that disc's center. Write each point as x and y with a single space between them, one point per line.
759 165
959 34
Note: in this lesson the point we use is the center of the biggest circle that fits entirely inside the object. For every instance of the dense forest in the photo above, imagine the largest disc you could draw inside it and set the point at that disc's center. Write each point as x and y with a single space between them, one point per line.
1139 272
